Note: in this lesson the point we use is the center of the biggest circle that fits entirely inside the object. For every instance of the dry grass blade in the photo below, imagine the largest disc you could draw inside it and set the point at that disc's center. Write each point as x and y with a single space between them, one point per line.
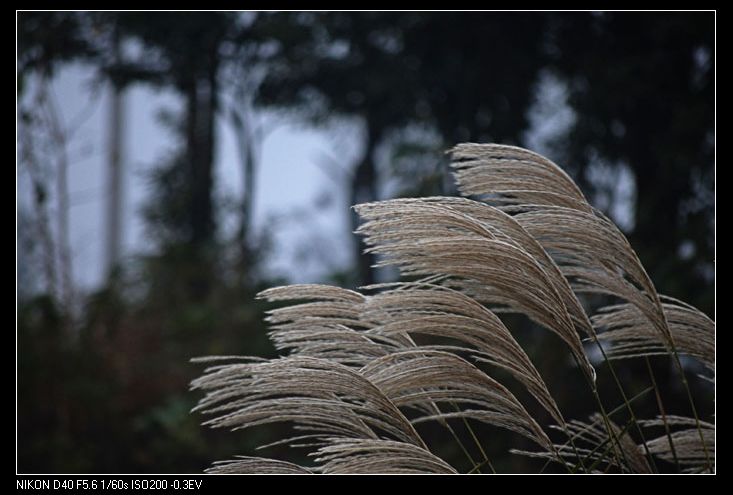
426 238
347 456
629 332
419 378
255 465
597 448
688 445
631 453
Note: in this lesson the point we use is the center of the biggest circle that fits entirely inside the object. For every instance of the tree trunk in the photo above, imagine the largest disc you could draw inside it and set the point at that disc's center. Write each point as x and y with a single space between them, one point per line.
245 146
201 100
115 180
363 190
28 151
58 134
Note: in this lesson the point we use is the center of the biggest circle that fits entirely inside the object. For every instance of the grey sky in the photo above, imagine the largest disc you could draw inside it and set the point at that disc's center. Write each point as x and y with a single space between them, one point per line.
300 203
301 191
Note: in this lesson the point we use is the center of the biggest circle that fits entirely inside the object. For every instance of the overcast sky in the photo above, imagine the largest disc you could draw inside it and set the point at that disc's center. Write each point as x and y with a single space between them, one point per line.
302 202
301 190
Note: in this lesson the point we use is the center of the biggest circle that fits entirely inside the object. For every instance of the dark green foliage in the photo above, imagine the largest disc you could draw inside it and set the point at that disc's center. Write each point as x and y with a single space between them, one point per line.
114 397
469 77
47 39
643 89
108 392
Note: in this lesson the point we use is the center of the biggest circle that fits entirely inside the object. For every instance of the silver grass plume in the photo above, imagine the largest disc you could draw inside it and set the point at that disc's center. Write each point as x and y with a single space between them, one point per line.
689 450
629 332
434 237
591 251
353 380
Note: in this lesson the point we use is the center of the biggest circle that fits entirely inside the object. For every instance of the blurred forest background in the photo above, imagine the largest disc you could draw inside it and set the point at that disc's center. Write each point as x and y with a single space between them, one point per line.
624 101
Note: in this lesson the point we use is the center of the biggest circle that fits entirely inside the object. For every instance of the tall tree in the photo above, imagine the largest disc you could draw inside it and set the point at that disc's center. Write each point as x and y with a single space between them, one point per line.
453 72
45 41
343 65
642 86
115 164
184 51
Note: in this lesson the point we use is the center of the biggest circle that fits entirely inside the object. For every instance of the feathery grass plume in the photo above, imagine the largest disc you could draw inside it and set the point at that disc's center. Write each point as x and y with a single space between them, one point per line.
593 253
359 456
689 449
316 394
587 246
355 382
511 175
255 465
418 378
319 329
333 305
329 326
628 330
427 238
427 309
488 220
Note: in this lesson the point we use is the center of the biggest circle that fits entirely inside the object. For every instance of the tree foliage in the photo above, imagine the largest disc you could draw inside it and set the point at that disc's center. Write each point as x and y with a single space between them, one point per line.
640 90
